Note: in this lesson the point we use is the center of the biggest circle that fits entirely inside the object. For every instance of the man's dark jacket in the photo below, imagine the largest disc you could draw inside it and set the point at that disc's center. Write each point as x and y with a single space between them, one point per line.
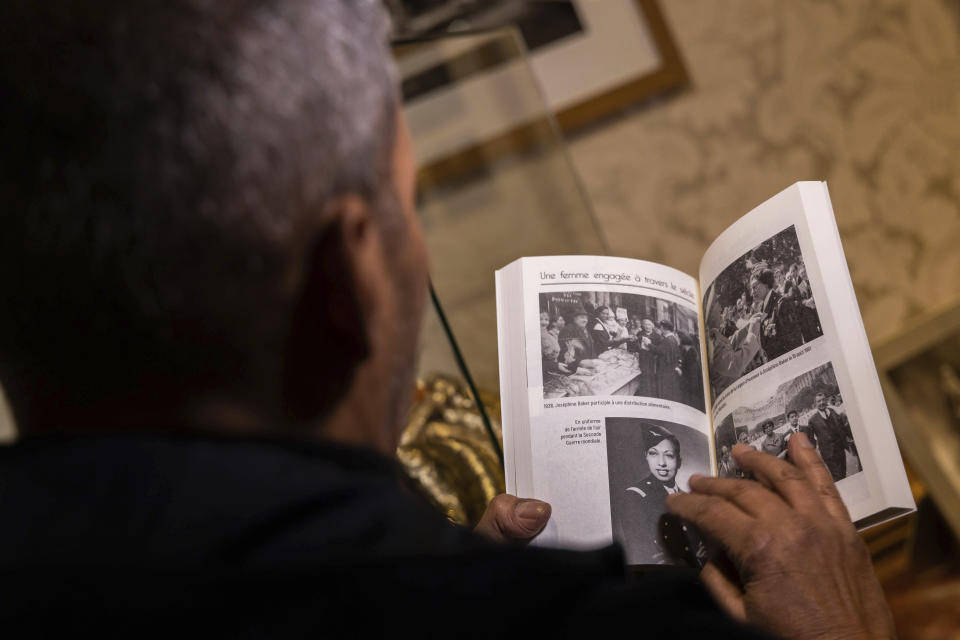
148 535
782 319
833 438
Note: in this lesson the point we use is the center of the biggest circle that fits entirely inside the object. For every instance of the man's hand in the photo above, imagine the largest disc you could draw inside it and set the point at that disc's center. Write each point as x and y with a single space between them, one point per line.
791 560
512 519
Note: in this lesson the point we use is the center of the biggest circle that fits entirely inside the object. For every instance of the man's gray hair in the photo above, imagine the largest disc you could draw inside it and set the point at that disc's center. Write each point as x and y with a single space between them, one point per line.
325 64
168 169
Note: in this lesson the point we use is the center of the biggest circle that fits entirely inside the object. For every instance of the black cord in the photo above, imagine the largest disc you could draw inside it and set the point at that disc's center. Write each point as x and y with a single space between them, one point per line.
462 365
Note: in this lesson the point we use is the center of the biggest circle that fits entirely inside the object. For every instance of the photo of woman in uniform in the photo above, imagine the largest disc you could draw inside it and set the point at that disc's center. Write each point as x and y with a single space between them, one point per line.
645 458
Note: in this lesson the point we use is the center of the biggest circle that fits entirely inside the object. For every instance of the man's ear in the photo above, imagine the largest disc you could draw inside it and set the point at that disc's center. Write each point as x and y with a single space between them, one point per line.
330 331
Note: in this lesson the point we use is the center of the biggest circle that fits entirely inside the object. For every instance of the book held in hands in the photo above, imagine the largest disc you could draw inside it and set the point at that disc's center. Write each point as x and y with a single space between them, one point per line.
621 378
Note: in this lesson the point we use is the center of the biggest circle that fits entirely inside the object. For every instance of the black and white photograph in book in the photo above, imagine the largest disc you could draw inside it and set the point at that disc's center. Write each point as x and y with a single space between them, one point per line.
758 308
647 460
810 403
601 343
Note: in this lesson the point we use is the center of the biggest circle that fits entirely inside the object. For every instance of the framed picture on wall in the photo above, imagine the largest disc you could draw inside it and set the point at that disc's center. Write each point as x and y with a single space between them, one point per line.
473 97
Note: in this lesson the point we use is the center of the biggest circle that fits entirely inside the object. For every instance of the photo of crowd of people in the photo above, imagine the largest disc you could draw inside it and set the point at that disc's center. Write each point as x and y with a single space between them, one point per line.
759 308
647 460
598 343
810 403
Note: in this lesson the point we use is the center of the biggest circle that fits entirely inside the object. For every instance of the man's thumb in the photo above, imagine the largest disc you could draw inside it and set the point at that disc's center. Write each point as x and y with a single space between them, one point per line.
512 519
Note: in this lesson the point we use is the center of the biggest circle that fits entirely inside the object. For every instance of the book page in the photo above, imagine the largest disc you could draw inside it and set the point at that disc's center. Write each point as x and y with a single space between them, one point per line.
616 400
777 349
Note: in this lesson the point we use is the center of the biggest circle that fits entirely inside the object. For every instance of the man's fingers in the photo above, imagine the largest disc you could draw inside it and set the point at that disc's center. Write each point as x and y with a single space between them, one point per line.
512 519
808 461
725 590
750 496
789 480
718 518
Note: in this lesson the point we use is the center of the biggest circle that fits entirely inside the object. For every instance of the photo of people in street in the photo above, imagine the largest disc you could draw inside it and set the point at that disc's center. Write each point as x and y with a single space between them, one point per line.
757 309
601 343
648 460
810 403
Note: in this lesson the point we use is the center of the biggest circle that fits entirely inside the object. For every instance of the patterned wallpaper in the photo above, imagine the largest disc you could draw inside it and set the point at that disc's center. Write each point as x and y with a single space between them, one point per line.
862 93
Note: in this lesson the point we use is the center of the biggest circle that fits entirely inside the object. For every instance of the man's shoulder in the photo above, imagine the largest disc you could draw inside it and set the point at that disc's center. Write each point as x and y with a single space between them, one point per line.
277 539
535 591
230 501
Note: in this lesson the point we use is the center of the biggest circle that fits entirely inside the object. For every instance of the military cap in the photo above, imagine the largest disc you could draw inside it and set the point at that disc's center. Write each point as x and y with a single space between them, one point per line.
653 434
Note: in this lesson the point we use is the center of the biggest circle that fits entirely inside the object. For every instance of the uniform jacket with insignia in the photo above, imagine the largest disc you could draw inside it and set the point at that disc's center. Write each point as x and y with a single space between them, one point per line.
647 532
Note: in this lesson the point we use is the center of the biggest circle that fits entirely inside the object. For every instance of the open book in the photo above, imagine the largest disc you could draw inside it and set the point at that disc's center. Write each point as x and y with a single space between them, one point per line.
621 378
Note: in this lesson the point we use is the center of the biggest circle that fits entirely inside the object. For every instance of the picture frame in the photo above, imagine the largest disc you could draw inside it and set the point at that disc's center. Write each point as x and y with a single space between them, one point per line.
473 98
